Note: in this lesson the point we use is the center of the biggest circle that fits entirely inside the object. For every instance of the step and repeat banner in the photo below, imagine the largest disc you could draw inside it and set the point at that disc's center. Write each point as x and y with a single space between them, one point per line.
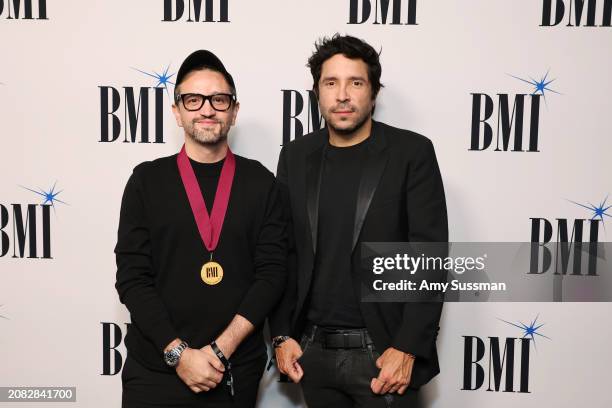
515 96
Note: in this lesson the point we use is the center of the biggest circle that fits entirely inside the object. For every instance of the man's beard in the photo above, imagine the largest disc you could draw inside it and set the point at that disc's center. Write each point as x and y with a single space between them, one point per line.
207 137
361 120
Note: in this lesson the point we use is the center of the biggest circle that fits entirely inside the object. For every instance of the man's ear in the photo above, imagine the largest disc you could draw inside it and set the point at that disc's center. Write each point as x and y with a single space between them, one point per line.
177 115
235 113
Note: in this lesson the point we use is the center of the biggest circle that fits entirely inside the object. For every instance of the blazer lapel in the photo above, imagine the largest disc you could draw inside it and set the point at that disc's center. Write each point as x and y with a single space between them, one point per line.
314 172
374 166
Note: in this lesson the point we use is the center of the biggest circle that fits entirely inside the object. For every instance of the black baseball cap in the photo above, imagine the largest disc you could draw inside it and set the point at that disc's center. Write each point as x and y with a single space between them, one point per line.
203 59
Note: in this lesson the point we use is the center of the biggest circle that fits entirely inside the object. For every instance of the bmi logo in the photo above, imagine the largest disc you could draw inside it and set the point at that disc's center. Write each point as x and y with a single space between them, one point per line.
394 12
133 112
26 227
514 119
576 241
300 114
24 9
112 338
503 363
212 272
586 13
208 11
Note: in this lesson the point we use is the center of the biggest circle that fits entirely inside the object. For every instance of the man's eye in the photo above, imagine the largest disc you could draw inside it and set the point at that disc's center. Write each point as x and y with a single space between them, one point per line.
357 83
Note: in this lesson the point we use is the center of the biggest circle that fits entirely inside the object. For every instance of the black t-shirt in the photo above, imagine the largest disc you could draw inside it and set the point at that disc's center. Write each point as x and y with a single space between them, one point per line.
333 301
208 178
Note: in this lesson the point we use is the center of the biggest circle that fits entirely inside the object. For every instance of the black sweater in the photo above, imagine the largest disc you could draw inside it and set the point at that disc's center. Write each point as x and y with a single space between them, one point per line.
160 254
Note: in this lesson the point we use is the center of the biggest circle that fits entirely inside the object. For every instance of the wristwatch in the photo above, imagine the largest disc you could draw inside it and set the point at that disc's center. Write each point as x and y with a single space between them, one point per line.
172 356
278 340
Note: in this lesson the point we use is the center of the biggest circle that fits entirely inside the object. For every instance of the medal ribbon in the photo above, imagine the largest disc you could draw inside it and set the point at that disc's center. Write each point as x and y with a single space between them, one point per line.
208 226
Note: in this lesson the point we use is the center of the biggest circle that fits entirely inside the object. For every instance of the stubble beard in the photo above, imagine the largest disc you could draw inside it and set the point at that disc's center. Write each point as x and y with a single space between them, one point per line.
207 137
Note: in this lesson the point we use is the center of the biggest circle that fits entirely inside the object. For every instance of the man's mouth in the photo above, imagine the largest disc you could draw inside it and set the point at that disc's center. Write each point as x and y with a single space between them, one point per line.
206 122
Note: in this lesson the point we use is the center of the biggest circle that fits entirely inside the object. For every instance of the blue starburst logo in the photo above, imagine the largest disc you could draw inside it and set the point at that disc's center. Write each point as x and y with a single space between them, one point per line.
598 211
163 79
540 86
49 196
530 330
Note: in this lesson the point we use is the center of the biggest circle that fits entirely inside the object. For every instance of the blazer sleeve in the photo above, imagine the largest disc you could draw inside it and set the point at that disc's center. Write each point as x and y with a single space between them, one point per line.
135 281
427 222
280 319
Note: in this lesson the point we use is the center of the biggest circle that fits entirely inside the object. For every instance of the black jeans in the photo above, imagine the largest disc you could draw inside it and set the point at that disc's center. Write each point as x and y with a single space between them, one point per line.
145 388
340 378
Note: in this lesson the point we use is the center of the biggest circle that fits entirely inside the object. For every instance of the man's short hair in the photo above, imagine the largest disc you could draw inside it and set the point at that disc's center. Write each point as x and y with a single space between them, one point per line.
350 47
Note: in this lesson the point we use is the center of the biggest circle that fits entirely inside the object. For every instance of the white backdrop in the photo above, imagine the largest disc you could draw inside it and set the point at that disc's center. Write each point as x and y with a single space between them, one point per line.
54 70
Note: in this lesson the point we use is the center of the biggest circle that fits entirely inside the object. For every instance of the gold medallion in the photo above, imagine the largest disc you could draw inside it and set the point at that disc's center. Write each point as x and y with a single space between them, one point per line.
212 273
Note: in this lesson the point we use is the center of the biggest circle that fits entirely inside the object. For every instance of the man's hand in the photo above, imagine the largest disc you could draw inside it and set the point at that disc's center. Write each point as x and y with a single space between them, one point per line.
395 372
200 369
287 355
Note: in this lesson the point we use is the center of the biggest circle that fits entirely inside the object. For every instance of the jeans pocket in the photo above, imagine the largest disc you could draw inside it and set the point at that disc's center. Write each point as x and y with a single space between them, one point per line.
374 355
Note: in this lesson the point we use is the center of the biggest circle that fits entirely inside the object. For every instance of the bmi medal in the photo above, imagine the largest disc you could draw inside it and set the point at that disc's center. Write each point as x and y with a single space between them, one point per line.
209 227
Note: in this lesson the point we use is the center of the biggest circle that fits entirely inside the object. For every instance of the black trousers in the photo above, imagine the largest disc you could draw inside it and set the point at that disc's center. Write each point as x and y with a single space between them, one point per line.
145 388
340 378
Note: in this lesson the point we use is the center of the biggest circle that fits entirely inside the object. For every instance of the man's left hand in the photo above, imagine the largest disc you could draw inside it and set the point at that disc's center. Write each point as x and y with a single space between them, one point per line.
395 372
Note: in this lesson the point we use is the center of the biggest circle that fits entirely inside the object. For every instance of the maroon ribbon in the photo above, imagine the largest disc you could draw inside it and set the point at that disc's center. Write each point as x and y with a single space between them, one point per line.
209 226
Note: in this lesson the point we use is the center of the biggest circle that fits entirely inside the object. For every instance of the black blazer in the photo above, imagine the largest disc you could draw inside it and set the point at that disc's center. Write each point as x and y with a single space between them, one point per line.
400 198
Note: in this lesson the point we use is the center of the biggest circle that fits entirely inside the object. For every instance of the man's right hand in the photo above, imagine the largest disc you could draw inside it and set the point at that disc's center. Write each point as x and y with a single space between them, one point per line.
287 355
201 371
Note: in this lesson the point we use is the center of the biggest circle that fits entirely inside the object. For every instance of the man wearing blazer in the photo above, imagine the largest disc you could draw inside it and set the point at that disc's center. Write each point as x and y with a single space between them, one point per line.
355 181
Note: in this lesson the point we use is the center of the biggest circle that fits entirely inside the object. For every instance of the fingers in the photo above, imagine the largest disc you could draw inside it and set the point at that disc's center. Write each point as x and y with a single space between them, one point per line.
211 377
379 362
198 388
402 389
209 382
376 385
217 364
205 384
394 388
294 373
212 358
286 362
386 386
297 373
380 386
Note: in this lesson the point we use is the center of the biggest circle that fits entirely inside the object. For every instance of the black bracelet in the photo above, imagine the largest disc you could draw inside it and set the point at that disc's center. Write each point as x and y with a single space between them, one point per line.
226 364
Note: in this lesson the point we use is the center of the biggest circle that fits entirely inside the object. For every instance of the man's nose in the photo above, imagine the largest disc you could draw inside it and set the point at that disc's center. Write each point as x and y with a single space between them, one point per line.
343 94
207 109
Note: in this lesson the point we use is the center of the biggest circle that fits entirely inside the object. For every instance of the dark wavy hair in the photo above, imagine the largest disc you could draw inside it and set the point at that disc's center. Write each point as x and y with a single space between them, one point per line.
350 47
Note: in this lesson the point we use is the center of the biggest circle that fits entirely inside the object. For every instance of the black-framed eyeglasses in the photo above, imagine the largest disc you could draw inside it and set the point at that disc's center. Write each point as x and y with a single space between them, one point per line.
219 101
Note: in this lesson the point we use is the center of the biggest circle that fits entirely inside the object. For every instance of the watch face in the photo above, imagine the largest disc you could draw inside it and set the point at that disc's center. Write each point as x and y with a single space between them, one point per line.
171 358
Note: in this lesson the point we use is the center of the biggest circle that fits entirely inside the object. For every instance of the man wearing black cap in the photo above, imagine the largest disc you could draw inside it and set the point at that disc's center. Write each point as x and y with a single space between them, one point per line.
201 255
